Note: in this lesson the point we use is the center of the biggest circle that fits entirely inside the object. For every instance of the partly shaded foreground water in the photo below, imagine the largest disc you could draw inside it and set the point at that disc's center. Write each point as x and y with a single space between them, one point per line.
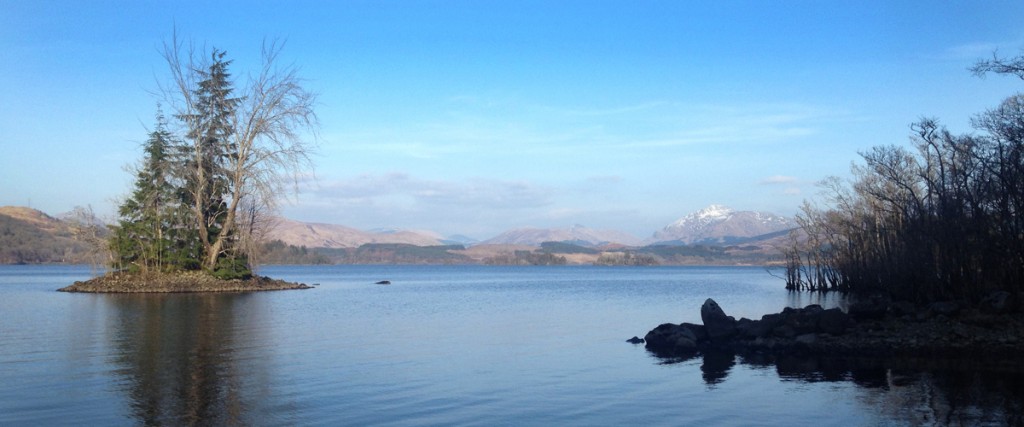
444 346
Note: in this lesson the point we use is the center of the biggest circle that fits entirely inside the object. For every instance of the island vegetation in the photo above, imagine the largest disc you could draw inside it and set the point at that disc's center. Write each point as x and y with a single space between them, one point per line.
211 174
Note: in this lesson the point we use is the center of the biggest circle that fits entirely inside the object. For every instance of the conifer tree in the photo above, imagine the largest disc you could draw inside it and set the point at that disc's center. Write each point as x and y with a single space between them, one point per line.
143 240
210 128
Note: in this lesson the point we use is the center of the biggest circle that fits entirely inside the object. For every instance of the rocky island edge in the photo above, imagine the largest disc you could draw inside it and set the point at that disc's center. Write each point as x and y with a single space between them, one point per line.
991 332
192 281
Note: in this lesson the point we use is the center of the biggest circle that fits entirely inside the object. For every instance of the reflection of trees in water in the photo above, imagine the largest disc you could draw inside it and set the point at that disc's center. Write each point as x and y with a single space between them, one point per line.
956 397
176 354
910 392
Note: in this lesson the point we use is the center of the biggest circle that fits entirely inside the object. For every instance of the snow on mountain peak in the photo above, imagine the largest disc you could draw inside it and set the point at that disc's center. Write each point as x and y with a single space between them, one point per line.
721 223
714 212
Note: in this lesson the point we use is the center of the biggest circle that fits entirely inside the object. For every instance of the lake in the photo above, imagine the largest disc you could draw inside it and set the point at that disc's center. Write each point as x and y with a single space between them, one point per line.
443 345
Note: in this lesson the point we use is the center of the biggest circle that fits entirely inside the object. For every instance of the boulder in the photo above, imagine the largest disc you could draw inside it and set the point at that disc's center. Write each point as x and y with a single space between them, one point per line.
719 326
944 308
749 329
635 340
698 331
671 339
1000 302
807 339
903 308
833 321
802 320
871 308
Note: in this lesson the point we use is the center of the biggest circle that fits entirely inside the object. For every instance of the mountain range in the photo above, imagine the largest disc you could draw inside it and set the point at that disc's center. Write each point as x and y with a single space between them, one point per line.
715 225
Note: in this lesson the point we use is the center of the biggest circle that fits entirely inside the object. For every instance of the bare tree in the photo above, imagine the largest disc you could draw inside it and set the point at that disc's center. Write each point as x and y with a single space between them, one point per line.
88 229
265 148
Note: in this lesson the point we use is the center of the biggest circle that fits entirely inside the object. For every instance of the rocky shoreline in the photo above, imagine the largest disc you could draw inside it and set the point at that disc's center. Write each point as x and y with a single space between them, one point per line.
192 281
992 332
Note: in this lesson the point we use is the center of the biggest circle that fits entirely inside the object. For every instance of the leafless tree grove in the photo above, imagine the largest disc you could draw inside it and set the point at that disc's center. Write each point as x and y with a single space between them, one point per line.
940 221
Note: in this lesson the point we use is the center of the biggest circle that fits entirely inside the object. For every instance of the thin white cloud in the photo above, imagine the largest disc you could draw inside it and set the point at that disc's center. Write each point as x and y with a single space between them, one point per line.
475 193
779 180
507 128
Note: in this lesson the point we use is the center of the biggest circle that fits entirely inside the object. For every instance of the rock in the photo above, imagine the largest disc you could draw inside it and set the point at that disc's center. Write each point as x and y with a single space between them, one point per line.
803 321
771 321
871 308
944 308
1000 302
807 339
671 339
698 331
749 329
383 282
784 331
903 308
833 321
719 326
635 340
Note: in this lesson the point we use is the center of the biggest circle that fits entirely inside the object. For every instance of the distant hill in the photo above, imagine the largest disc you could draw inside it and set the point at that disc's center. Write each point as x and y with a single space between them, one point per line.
577 234
721 226
714 235
314 235
29 236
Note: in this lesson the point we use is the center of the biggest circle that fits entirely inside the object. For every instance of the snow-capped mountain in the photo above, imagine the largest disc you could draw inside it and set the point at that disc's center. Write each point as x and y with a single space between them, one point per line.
576 234
717 224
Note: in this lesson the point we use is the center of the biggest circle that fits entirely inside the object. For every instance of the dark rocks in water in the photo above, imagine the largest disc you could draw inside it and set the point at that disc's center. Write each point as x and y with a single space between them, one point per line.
794 328
635 340
383 282
669 339
833 321
719 326
947 330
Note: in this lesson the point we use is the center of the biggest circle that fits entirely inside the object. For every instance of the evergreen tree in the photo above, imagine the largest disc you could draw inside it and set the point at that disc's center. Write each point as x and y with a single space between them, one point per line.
143 239
210 125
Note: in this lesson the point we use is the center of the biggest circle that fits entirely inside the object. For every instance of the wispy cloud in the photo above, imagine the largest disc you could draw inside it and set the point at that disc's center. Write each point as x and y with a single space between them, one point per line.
791 185
779 180
474 126
379 189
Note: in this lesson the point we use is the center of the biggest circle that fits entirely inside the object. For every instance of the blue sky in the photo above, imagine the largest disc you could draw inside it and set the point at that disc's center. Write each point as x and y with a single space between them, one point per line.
476 117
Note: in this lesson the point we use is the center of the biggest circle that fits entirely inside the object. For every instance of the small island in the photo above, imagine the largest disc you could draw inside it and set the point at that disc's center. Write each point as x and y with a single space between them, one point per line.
208 182
190 281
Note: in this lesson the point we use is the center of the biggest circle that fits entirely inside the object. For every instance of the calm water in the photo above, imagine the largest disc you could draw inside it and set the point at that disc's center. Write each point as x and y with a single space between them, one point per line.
440 346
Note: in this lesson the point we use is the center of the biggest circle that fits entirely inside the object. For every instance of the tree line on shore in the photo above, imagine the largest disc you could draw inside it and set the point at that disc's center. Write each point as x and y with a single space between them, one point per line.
940 221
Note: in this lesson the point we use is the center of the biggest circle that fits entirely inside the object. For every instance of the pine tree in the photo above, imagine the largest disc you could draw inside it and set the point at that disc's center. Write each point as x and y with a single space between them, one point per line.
143 239
210 129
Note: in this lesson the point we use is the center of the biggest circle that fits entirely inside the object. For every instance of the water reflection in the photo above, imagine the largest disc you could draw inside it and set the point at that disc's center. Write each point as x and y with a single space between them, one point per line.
908 391
177 358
